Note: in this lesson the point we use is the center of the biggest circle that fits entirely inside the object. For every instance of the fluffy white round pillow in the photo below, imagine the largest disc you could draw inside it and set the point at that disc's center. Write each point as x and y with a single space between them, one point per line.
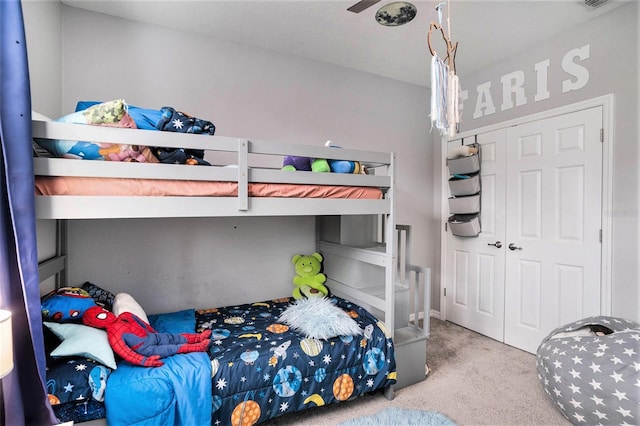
124 302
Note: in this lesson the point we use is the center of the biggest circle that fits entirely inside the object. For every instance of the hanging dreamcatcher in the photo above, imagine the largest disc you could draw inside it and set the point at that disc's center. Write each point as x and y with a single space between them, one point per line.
445 84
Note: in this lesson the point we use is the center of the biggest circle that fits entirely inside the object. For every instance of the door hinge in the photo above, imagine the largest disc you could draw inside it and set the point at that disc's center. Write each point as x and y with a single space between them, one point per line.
446 228
601 135
445 292
600 235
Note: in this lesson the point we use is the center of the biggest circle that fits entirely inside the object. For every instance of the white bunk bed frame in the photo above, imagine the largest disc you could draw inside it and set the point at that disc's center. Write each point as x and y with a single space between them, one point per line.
390 251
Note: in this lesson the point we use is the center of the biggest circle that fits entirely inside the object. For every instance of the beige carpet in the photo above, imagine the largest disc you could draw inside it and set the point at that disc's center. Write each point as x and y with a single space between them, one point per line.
473 380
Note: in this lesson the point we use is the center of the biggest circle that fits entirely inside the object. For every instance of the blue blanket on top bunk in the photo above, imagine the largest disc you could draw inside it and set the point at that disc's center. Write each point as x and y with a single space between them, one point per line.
176 393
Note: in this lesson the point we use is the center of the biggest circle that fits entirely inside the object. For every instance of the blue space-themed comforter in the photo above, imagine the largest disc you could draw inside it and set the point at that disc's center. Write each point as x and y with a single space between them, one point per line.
257 368
175 394
262 369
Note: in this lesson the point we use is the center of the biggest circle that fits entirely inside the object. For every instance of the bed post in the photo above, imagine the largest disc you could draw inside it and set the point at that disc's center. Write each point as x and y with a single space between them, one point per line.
390 246
391 241
243 174
56 265
61 251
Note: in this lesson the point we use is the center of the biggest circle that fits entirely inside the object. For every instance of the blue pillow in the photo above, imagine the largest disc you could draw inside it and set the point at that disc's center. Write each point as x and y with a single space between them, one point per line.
174 322
67 304
83 341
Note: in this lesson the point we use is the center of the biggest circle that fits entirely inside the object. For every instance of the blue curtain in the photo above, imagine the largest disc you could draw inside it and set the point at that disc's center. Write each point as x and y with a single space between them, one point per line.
23 390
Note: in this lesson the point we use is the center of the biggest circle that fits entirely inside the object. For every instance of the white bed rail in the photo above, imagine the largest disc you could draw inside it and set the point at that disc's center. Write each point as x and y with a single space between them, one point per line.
418 279
243 149
245 164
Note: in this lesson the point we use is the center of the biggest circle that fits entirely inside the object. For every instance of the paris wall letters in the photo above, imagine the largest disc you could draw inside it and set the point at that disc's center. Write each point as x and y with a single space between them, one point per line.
513 91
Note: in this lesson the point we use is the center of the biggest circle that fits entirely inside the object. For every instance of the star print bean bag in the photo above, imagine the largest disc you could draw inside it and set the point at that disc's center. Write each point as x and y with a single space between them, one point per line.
590 370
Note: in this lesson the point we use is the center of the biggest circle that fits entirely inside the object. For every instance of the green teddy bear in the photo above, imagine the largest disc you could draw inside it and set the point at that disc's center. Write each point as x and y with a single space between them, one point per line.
309 281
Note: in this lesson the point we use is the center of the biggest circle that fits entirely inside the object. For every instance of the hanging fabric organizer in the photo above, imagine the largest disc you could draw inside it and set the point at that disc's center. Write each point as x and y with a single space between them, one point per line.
465 189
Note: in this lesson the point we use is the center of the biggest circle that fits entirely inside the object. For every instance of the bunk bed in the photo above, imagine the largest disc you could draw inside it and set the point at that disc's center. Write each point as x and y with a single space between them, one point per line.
386 306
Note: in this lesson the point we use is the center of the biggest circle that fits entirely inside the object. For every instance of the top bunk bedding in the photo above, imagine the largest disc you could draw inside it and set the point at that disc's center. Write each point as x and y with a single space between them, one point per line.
248 181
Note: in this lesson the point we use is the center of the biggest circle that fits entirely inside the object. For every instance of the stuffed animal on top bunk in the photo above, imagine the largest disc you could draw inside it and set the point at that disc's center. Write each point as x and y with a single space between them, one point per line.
305 164
137 342
344 166
309 280
292 163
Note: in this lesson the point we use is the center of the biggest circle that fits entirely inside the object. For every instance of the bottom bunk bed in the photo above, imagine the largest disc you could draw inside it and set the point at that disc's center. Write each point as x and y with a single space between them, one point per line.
256 368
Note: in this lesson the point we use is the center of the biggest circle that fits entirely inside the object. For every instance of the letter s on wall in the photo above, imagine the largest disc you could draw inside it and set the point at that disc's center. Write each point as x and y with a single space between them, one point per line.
578 71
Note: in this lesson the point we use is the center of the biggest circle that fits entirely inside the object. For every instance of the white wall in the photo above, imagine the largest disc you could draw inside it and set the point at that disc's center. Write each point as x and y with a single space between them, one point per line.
612 67
246 92
171 264
43 28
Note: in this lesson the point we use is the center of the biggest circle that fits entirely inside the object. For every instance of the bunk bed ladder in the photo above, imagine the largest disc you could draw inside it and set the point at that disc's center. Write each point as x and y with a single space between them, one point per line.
411 341
410 336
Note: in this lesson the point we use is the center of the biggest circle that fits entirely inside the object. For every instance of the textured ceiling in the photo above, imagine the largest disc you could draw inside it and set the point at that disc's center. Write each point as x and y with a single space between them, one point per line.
486 30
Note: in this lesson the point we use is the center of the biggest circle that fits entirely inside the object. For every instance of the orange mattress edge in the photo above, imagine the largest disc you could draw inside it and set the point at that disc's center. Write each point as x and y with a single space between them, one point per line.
87 186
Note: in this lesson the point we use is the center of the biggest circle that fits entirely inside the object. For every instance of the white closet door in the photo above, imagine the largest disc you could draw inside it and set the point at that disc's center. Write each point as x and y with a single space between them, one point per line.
475 266
541 195
553 250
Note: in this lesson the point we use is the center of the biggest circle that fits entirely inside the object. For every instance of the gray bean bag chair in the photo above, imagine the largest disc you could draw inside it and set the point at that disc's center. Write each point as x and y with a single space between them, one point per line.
590 370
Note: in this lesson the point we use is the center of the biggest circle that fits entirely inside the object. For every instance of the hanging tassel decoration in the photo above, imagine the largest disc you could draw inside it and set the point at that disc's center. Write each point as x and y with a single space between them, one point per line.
445 84
439 80
453 103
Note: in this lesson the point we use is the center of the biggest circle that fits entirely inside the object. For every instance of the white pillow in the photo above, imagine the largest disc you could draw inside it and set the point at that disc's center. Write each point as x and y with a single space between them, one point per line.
319 318
124 302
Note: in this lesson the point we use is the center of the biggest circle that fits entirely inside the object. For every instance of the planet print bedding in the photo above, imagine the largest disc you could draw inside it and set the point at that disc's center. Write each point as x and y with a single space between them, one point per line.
262 368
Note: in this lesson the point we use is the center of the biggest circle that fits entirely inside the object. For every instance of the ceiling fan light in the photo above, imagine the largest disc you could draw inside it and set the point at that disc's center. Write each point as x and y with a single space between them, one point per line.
396 13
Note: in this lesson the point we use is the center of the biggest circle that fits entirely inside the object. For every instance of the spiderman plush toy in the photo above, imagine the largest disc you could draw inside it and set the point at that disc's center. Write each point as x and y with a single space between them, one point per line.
137 342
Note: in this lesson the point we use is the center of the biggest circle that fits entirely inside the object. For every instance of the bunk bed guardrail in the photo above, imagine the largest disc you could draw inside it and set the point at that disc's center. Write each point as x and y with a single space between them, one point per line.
252 161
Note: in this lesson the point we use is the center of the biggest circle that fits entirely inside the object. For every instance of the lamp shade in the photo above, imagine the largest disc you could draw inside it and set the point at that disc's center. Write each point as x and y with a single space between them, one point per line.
6 343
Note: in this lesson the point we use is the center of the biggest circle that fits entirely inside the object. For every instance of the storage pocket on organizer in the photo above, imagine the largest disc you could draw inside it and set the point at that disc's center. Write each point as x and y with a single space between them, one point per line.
464 165
465 204
464 225
464 184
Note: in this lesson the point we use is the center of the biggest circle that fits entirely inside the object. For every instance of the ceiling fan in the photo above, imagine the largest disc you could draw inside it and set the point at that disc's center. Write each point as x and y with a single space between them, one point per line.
362 5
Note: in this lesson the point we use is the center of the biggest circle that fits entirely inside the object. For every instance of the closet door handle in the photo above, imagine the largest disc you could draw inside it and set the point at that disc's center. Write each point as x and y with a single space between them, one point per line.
497 244
514 247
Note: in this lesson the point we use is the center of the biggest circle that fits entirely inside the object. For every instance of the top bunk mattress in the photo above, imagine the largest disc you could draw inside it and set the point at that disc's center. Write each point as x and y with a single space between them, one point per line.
88 186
